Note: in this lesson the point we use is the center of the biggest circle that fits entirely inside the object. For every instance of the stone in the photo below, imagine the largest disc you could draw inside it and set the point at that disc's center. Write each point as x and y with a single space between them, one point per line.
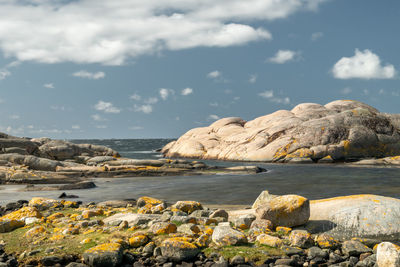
188 228
187 206
42 203
133 219
7 225
78 185
316 252
22 214
219 213
262 224
50 260
270 240
138 240
388 255
244 222
365 216
287 210
301 239
227 236
109 254
99 159
342 129
162 228
237 259
326 241
263 199
178 249
354 248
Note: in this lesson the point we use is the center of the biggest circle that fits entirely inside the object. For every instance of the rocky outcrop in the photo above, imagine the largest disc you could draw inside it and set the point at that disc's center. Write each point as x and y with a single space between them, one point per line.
367 216
342 130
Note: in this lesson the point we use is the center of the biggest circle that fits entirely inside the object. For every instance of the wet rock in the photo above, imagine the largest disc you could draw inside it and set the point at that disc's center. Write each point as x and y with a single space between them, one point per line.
287 210
77 186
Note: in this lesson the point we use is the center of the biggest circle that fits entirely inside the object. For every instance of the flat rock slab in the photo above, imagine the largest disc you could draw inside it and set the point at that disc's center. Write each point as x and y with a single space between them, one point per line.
130 217
367 216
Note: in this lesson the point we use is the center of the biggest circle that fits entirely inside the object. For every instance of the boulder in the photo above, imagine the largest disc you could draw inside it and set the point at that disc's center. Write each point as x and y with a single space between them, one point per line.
287 210
33 162
105 255
99 160
263 199
131 218
227 236
366 216
388 255
179 249
269 240
7 225
187 206
354 248
342 130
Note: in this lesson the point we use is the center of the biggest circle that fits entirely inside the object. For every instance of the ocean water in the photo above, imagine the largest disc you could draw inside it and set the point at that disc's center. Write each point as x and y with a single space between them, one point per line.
314 181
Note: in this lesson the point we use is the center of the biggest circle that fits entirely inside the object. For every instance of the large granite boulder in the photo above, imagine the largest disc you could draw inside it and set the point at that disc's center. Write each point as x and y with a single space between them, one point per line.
366 216
340 130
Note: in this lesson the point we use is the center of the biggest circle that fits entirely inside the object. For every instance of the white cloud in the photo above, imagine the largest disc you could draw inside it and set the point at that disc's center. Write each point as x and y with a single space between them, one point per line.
283 56
4 73
214 104
165 93
97 117
147 109
48 85
101 126
363 65
15 117
151 100
213 117
270 96
214 74
316 35
61 108
346 90
253 78
111 32
135 97
136 128
89 75
187 91
106 107
76 127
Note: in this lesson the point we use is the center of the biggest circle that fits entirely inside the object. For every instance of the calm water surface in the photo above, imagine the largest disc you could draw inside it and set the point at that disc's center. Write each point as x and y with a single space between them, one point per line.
312 181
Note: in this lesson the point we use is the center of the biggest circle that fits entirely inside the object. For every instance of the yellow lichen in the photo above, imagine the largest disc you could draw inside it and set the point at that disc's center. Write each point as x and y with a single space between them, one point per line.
22 213
108 247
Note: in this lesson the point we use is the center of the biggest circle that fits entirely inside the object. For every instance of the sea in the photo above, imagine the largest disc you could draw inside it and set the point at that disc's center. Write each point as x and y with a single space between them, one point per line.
314 181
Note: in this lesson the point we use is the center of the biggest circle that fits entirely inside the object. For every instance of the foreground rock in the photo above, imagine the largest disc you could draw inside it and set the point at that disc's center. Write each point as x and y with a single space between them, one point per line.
341 130
356 216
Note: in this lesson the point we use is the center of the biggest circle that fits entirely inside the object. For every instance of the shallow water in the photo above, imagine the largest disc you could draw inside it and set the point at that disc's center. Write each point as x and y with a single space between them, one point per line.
311 181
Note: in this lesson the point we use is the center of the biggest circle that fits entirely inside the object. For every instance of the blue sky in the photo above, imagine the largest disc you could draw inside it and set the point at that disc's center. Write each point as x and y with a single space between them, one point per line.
148 69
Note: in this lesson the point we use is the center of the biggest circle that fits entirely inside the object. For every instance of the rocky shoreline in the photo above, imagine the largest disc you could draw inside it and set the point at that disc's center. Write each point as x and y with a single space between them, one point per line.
287 230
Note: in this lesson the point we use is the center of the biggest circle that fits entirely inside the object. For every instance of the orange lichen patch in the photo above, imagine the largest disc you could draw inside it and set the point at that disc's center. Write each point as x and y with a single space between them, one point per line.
55 216
108 247
69 204
203 241
395 158
270 240
7 225
56 237
44 203
287 203
301 153
86 241
283 151
163 228
178 242
187 206
89 231
34 232
157 209
86 214
138 241
351 197
22 213
326 241
208 231
284 230
133 228
149 200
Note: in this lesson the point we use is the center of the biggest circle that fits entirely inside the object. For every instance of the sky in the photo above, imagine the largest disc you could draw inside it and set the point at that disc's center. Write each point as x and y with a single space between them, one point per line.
155 69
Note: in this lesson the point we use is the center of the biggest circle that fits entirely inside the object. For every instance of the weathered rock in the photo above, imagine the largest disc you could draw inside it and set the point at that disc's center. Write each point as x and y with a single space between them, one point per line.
300 238
42 203
33 162
79 185
7 225
105 255
116 203
270 240
367 216
354 248
263 199
262 224
287 210
342 129
22 214
178 249
219 213
244 222
162 228
226 236
132 218
388 255
99 160
187 206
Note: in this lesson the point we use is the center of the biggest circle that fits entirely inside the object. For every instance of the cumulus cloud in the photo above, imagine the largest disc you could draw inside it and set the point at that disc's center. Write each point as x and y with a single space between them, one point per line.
106 107
97 117
147 109
213 117
151 100
283 56
316 35
214 74
76 127
165 93
89 75
270 96
4 73
110 32
187 91
48 85
363 65
135 97
253 78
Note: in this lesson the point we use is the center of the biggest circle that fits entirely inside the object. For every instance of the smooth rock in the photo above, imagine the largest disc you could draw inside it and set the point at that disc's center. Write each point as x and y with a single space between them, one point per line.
178 249
354 248
227 236
105 255
388 255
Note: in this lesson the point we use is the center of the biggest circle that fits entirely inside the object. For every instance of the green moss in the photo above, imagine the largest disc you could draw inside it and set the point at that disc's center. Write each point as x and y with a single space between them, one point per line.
257 254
